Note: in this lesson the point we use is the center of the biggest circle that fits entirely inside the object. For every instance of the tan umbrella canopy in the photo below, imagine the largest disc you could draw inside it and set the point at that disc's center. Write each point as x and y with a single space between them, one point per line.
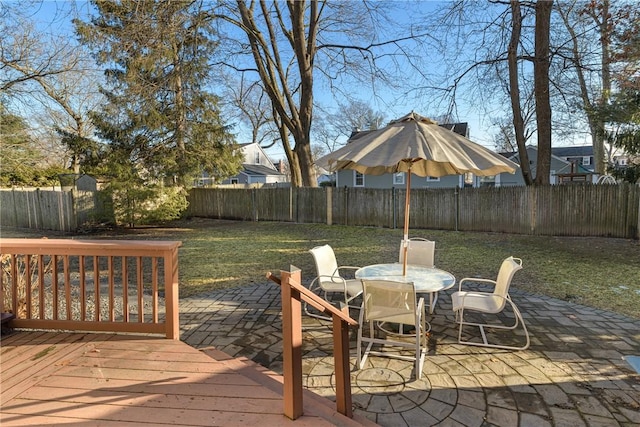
415 145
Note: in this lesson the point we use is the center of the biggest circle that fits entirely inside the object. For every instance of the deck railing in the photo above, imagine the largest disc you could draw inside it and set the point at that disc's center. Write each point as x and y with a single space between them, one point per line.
293 293
91 285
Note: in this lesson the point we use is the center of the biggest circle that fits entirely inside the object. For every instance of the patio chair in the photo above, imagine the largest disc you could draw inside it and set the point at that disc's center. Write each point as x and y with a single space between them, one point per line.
420 252
489 303
329 280
393 302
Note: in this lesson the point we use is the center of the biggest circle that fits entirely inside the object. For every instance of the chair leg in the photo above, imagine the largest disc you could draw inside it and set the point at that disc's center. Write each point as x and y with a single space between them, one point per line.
419 353
433 299
485 343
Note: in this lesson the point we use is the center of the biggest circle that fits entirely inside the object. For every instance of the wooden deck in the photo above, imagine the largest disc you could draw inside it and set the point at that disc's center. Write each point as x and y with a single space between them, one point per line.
53 378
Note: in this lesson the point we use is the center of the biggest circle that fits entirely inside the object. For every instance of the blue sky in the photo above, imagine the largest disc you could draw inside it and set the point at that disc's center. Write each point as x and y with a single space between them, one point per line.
54 16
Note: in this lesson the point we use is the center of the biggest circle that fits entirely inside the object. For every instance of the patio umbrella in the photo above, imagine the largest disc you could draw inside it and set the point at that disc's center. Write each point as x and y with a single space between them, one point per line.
415 145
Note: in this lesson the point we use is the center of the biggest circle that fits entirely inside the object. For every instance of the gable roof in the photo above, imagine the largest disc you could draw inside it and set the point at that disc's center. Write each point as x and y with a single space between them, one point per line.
459 128
259 170
576 151
514 156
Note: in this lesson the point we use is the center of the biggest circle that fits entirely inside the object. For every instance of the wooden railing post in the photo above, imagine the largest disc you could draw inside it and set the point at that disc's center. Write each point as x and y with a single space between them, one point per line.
172 322
292 343
342 364
292 294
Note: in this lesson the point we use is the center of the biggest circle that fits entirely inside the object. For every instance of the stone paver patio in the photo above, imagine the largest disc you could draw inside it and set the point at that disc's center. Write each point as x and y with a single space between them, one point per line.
572 375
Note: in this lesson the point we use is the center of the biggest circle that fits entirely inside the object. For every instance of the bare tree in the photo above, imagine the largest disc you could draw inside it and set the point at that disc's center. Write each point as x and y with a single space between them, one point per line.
588 56
53 79
332 129
541 88
247 102
285 40
514 90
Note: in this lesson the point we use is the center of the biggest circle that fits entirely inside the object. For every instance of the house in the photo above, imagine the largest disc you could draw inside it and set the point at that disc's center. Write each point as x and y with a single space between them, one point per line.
568 165
82 182
579 155
351 178
258 168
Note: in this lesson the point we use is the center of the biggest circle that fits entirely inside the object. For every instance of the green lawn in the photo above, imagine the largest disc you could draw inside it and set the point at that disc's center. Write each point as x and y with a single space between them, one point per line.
599 272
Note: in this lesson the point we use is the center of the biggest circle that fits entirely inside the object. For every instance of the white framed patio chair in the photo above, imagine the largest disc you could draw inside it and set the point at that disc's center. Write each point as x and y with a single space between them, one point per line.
489 303
392 302
421 252
329 280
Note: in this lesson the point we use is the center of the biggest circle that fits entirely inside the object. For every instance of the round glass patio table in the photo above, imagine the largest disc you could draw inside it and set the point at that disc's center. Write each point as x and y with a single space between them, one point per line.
429 280
425 279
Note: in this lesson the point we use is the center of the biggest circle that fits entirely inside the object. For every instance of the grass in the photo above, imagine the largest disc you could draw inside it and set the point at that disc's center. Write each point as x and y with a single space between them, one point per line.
598 272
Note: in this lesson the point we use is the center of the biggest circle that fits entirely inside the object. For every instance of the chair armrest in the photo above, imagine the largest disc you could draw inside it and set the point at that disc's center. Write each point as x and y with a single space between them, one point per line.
347 267
335 279
474 280
506 298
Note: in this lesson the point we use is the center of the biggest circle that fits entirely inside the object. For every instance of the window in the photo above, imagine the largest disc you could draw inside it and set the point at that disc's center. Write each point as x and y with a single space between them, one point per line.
358 179
468 179
398 178
256 159
433 179
586 160
234 180
488 181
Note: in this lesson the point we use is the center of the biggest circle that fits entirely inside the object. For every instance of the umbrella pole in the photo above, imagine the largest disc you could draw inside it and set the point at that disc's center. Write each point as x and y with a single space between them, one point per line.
405 240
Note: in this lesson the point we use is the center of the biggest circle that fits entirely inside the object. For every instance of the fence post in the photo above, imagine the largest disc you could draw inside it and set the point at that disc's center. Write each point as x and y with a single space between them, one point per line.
637 236
393 208
329 194
346 205
290 204
533 204
15 210
457 208
254 213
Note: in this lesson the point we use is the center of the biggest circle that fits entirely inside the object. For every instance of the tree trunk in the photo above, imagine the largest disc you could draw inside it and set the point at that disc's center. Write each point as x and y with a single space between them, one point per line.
596 125
514 87
598 139
305 160
304 46
541 89
293 105
292 157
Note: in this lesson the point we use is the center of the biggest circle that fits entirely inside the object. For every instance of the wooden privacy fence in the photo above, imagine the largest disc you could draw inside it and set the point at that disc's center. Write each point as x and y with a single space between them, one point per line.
559 210
91 285
47 209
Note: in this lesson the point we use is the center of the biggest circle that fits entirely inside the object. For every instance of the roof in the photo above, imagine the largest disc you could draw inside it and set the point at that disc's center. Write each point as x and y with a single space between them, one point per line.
576 151
259 170
459 128
515 156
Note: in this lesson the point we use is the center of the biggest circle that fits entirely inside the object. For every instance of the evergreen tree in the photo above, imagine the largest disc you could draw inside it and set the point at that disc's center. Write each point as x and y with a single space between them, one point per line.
19 158
159 116
622 115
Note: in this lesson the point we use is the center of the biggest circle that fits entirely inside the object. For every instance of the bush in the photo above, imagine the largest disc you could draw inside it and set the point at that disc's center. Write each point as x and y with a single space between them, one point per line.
136 204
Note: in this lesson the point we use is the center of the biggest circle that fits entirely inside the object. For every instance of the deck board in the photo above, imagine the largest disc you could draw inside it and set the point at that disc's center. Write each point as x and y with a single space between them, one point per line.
105 379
